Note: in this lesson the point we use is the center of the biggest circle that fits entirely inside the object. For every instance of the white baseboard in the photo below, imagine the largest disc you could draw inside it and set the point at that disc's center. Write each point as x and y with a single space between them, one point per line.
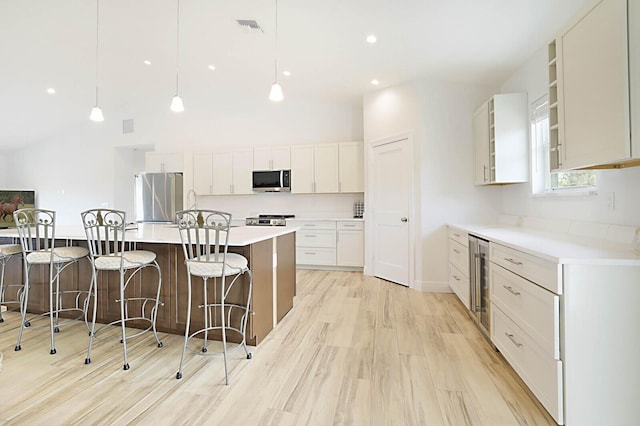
330 268
433 286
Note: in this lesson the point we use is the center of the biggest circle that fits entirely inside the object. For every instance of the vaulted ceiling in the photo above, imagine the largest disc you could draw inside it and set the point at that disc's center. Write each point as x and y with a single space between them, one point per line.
52 44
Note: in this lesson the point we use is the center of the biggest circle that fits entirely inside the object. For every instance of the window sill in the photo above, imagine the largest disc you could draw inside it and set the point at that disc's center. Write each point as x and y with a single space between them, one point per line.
568 192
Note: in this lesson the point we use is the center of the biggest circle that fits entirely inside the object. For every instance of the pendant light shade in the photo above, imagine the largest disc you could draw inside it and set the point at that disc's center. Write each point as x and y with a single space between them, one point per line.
96 112
276 94
176 102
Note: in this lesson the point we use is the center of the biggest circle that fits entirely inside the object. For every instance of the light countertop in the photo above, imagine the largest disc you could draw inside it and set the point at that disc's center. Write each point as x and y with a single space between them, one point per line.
558 248
168 233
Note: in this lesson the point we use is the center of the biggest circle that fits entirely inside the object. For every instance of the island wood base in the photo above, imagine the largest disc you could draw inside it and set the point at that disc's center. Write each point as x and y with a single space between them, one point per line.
274 284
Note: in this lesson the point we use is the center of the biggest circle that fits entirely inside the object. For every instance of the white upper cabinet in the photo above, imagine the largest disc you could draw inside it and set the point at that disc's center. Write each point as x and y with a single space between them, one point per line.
501 140
481 145
203 173
163 162
351 164
223 172
593 88
314 168
272 158
325 167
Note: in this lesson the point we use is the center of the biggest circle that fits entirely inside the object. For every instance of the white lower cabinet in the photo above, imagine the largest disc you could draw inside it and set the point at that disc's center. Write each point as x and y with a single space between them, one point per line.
329 243
459 265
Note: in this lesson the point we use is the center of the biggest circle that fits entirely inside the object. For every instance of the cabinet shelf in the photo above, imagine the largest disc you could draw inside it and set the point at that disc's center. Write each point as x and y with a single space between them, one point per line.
552 61
553 83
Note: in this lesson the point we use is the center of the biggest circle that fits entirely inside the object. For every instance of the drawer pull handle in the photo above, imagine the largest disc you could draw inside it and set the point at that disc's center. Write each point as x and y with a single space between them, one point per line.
456 278
456 251
310 236
306 252
513 340
511 290
457 235
515 262
348 226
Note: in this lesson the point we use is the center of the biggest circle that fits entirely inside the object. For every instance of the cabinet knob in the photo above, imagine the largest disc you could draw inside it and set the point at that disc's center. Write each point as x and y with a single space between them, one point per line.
404 219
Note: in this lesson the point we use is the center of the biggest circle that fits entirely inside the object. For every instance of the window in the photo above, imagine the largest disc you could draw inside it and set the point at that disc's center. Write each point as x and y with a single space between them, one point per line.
545 182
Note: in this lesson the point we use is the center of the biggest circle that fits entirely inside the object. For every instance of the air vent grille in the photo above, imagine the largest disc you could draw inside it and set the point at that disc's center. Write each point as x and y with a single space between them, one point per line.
250 25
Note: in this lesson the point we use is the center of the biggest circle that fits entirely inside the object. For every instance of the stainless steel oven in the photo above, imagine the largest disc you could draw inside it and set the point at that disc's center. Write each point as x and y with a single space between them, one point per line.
479 278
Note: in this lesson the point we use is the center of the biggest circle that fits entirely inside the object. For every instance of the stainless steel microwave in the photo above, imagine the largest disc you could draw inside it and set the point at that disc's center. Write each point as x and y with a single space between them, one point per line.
272 180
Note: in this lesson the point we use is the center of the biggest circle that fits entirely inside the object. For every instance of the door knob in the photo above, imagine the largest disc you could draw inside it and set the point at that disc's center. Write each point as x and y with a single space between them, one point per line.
404 219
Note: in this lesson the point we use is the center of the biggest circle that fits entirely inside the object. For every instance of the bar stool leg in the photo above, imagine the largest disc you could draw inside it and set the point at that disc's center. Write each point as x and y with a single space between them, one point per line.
186 330
207 314
2 287
92 289
224 331
246 316
154 316
24 299
51 279
122 317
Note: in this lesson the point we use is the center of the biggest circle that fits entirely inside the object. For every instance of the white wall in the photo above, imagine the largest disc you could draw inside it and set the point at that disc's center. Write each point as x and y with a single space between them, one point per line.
518 199
93 164
439 117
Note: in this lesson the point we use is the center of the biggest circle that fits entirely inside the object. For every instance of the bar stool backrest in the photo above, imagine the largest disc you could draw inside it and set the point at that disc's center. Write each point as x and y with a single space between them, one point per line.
105 230
204 235
36 229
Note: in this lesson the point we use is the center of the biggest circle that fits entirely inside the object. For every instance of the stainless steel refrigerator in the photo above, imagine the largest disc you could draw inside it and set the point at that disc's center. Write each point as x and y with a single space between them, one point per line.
158 196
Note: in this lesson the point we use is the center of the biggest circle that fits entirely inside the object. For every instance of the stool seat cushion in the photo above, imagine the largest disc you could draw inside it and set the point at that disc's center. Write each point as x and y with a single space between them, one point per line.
130 259
235 264
10 249
60 255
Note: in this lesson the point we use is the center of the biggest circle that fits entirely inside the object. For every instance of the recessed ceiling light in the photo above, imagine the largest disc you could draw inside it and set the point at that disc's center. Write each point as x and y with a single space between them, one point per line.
375 82
51 91
371 38
286 73
147 62
212 67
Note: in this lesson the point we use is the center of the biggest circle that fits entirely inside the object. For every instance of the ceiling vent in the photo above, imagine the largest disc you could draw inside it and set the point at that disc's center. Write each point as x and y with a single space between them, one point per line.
250 25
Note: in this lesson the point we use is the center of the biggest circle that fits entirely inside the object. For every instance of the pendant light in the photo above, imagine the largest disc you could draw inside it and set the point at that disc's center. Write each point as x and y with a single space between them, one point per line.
96 112
276 90
176 102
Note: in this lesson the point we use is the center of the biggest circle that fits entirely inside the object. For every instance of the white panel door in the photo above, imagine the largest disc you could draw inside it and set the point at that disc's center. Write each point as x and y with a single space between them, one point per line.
153 162
281 158
262 158
481 171
173 162
390 211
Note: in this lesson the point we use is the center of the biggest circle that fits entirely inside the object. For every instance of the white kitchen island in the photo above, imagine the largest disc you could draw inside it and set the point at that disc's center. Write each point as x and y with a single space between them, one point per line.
564 313
269 250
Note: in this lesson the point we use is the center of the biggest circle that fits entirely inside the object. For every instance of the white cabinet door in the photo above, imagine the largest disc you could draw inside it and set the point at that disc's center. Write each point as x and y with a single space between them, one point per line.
351 164
281 158
203 173
262 158
350 248
242 168
595 87
222 172
326 168
302 180
163 162
481 145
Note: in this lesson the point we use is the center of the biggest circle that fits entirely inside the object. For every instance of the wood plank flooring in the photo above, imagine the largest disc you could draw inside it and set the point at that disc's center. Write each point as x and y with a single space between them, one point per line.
354 350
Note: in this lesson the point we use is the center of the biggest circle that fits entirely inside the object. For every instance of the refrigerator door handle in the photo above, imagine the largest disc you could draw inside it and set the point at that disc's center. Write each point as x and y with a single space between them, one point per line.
477 302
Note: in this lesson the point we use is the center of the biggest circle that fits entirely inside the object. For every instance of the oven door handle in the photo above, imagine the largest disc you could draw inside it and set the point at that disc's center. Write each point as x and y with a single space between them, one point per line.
477 283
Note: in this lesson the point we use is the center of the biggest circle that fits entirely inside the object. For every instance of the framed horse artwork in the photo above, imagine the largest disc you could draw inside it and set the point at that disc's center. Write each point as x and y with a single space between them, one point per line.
11 201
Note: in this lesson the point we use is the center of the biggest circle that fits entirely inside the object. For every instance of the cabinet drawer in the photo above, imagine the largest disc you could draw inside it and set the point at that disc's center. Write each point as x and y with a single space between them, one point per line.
459 256
531 307
319 238
459 283
350 225
312 224
459 235
540 372
316 256
542 272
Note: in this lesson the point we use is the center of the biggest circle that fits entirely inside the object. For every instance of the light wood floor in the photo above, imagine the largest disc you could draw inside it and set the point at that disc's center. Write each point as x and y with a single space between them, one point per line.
354 350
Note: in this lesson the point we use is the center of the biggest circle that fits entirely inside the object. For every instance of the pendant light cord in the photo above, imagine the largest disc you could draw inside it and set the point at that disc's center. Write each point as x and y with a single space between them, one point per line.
275 69
97 44
177 44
